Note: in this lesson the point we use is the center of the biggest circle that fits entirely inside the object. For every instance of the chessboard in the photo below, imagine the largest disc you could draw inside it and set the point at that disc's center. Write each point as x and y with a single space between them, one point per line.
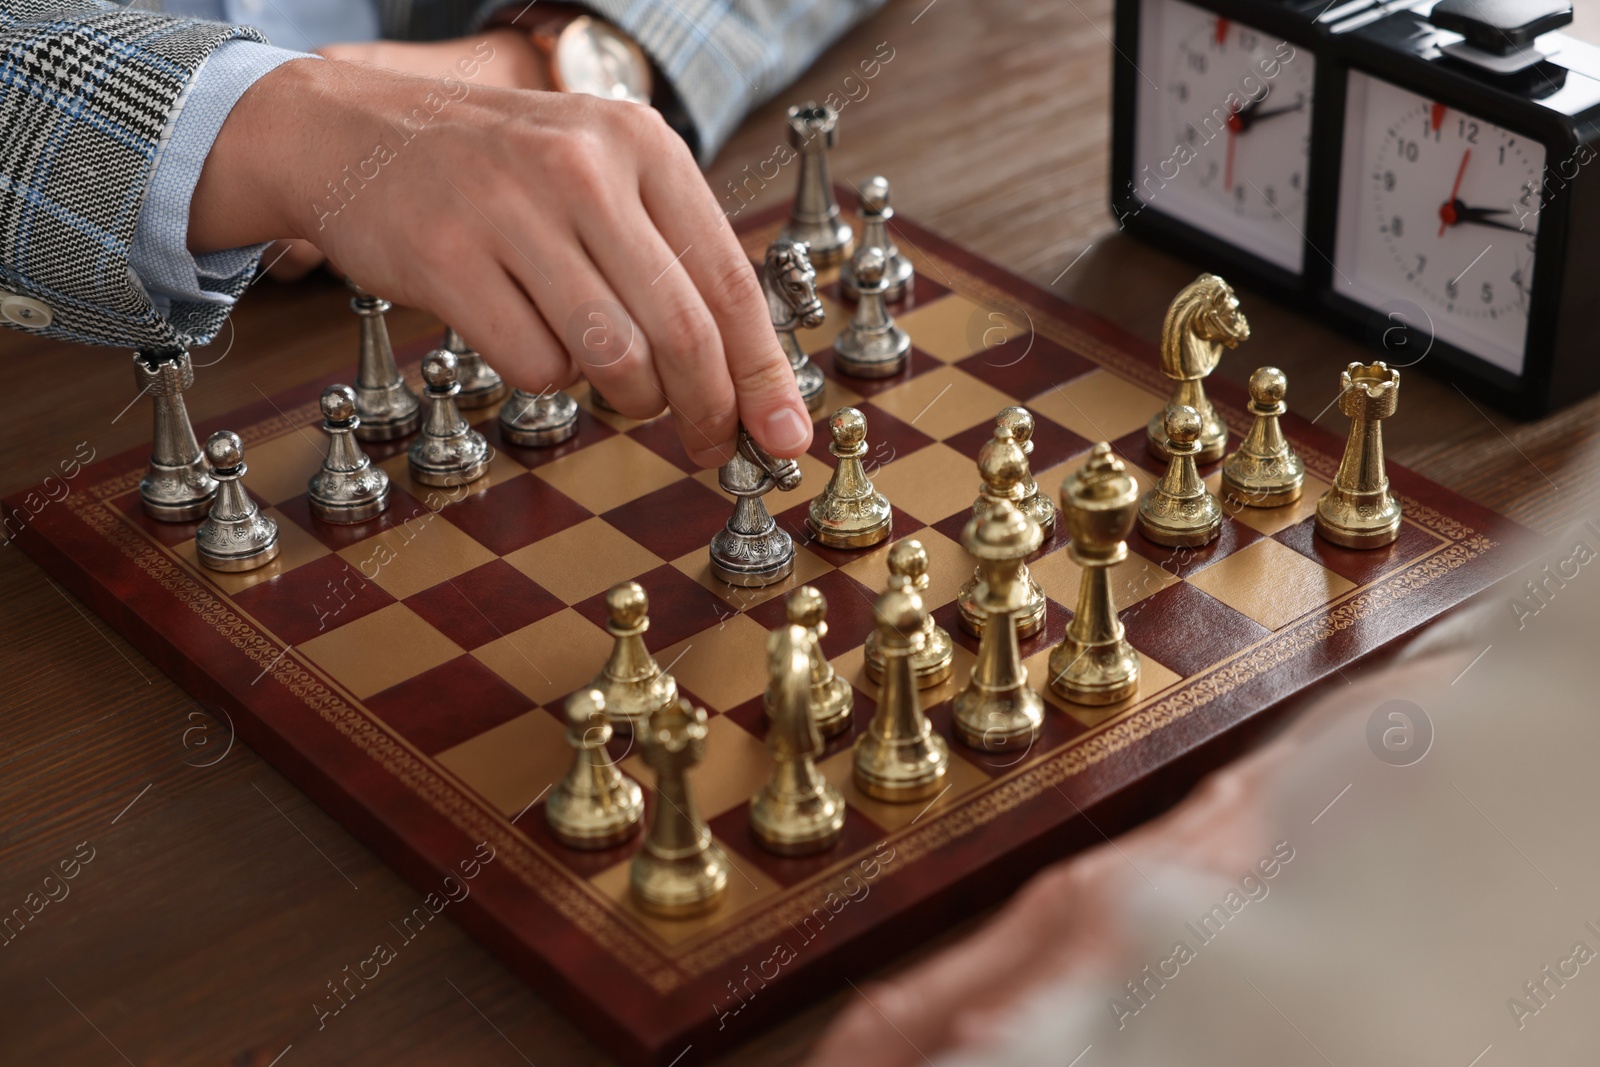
409 672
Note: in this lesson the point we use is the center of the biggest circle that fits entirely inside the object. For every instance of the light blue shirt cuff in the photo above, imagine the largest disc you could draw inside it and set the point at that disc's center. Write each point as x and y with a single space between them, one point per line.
159 254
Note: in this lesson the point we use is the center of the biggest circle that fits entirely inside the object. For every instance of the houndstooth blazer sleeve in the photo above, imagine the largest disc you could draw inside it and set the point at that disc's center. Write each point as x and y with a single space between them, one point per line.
86 91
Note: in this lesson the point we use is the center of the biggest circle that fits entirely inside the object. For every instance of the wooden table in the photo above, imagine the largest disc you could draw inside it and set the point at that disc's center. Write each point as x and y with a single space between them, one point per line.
220 900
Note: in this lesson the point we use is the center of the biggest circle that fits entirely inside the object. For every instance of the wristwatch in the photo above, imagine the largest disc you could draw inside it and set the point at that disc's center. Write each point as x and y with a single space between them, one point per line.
587 54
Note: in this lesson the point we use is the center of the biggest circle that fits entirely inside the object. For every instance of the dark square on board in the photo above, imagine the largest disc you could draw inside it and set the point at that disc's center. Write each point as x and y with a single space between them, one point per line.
673 520
484 604
1024 368
515 513
454 702
312 599
1358 565
1188 630
680 607
918 362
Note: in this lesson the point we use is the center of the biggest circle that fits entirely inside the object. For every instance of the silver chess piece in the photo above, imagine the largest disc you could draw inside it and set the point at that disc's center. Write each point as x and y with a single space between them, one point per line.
481 385
538 420
387 406
898 274
448 451
234 536
177 487
751 550
815 217
871 345
348 488
790 283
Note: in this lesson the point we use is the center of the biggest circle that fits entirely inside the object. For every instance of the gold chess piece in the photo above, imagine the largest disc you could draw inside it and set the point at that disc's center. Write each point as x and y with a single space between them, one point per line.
1003 466
1265 472
849 512
1359 511
1203 319
632 684
899 757
908 562
1094 664
679 872
1036 505
595 806
1180 511
997 711
832 699
798 812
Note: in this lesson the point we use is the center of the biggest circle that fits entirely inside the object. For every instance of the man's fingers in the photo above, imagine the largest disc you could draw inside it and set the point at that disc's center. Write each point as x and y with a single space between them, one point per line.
769 401
492 314
684 340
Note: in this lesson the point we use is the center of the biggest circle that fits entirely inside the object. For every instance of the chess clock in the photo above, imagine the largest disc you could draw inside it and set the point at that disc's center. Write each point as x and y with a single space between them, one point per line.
1440 203
1214 103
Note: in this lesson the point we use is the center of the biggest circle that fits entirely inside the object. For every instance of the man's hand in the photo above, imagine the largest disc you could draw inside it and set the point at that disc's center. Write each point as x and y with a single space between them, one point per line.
562 235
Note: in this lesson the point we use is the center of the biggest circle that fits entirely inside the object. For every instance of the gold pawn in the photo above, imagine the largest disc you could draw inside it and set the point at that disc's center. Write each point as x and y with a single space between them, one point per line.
595 806
1002 466
997 711
832 699
1180 512
679 872
1094 664
849 512
1036 505
1358 511
631 682
1265 472
798 812
898 757
908 561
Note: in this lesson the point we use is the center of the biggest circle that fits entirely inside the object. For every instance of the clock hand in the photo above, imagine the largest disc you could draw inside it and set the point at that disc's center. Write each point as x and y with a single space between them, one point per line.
1460 213
1447 210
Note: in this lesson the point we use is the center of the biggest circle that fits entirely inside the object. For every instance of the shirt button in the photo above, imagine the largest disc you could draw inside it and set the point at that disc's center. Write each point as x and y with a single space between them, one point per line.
26 312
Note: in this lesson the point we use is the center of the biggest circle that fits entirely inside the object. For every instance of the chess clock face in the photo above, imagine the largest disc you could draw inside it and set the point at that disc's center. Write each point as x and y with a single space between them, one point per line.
1438 209
1224 128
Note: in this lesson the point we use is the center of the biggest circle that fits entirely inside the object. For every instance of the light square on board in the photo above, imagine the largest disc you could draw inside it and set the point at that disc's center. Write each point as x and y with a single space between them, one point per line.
697 565
296 548
943 402
513 764
1154 677
747 885
1271 520
1131 580
928 484
736 766
1098 406
949 567
961 779
416 555
837 314
376 651
583 560
280 468
1271 583
609 474
955 327
550 658
724 665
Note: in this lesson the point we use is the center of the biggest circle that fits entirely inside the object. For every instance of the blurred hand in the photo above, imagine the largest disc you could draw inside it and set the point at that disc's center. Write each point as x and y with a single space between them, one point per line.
564 236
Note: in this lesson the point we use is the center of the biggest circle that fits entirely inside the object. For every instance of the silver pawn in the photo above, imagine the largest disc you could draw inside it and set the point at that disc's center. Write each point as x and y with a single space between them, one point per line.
871 345
234 536
348 488
815 217
538 420
481 385
898 273
790 284
177 487
448 451
388 408
751 550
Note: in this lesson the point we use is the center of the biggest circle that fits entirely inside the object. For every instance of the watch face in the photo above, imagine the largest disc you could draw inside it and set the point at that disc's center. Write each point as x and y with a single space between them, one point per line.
596 60
1224 128
1438 209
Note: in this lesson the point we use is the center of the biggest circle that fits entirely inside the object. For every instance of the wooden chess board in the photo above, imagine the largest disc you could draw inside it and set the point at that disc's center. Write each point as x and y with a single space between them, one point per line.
408 673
